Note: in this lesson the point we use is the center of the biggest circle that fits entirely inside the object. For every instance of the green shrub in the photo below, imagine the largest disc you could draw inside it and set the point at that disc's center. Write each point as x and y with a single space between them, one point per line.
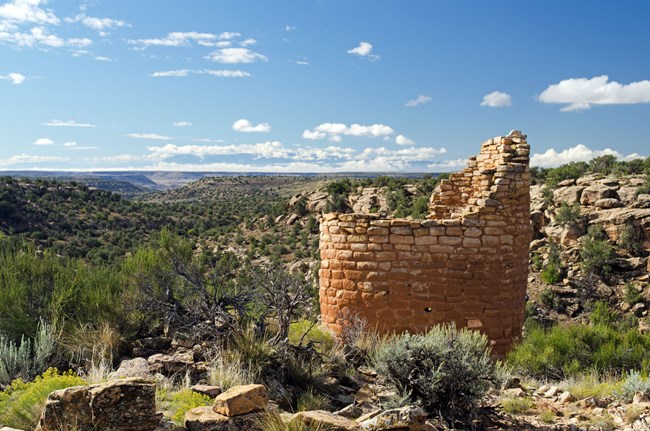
547 195
628 240
549 299
552 271
632 294
573 170
645 187
634 382
182 401
23 360
21 403
445 370
596 253
602 164
571 349
600 314
567 214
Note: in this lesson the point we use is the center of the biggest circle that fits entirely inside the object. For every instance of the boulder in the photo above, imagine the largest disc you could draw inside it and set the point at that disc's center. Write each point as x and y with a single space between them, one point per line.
292 219
566 398
206 419
571 233
570 195
404 418
368 199
642 424
208 390
642 201
514 393
240 400
136 367
627 194
616 219
317 202
326 420
551 392
67 406
596 192
538 221
171 364
607 203
121 405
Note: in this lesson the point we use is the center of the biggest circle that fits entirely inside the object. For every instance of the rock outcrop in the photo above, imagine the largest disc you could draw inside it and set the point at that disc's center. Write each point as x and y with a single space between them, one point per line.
121 405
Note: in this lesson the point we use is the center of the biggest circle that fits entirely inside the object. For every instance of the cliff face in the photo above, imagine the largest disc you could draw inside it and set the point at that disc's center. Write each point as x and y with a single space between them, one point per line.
467 263
564 220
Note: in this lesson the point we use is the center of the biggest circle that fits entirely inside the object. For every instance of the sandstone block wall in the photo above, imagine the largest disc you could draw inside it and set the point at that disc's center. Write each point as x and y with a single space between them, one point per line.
467 263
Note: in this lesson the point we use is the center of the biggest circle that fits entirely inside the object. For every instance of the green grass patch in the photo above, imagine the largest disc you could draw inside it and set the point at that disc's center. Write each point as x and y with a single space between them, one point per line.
591 385
517 405
547 417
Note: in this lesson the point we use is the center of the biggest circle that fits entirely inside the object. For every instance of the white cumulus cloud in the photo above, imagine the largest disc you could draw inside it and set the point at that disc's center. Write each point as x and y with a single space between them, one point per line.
182 124
43 141
420 100
100 25
28 11
153 136
580 93
244 125
15 78
248 42
335 131
235 56
403 140
41 37
229 35
71 123
580 153
497 99
363 50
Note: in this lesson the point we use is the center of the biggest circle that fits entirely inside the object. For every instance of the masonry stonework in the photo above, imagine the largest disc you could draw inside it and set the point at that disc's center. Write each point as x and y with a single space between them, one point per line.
466 263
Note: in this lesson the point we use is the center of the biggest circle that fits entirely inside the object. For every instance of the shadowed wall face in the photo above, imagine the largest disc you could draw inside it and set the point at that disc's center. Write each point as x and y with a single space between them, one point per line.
467 263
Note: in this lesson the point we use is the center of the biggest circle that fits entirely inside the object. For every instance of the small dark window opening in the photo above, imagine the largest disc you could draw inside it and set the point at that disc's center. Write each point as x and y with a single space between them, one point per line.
428 309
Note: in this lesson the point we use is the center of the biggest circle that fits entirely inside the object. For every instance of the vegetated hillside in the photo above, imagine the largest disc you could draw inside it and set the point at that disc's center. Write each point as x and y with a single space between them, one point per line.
591 240
203 294
74 219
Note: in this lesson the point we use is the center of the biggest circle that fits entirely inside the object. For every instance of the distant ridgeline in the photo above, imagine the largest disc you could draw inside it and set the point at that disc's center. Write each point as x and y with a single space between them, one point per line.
466 263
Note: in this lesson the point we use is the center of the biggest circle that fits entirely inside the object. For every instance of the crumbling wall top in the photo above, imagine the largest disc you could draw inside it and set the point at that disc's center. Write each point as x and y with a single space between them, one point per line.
494 178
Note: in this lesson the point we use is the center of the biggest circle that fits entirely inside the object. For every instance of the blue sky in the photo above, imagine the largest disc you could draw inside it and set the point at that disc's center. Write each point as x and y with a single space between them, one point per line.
317 85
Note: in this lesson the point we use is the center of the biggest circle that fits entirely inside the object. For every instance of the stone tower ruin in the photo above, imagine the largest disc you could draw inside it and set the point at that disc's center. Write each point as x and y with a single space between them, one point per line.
466 263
